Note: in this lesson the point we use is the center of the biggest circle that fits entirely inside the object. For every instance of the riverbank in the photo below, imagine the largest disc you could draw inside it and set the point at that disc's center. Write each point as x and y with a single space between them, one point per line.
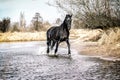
84 41
22 36
32 36
93 49
105 44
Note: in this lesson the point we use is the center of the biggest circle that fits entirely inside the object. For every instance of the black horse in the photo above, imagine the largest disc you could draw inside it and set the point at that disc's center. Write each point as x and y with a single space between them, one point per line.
58 34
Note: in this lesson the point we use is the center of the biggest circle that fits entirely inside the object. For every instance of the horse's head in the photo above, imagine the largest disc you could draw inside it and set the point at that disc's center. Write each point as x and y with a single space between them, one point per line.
68 20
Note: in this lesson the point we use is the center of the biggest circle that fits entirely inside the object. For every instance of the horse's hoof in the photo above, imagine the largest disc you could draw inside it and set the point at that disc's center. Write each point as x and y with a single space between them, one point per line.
56 55
69 55
47 54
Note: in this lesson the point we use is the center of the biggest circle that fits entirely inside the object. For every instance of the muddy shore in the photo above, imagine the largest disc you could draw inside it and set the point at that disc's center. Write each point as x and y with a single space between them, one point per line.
93 49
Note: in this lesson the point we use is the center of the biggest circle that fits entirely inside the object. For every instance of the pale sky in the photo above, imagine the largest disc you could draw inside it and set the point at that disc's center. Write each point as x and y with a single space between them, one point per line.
12 9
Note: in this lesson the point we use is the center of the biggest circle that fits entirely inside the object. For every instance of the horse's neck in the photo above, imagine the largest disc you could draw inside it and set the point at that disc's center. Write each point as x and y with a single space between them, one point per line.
64 26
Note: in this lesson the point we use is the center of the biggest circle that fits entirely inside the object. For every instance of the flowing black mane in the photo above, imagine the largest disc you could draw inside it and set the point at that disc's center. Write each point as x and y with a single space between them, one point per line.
58 34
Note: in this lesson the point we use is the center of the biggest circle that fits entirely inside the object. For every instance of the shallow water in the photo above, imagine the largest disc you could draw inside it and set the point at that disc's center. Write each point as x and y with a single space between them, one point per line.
29 61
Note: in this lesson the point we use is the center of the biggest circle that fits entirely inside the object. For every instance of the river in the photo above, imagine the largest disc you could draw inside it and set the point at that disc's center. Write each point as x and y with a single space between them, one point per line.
29 61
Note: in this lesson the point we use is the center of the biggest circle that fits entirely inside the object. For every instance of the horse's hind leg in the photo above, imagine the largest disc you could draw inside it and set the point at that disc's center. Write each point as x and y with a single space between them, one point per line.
57 44
48 44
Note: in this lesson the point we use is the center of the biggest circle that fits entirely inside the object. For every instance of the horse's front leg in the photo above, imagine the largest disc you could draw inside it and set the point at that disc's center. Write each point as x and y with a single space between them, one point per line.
68 44
53 44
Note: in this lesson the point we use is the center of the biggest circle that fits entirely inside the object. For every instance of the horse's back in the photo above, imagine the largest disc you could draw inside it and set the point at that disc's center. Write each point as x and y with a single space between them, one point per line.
52 32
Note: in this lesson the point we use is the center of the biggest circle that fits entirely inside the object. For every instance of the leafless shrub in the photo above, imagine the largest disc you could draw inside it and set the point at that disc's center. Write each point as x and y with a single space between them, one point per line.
93 13
15 27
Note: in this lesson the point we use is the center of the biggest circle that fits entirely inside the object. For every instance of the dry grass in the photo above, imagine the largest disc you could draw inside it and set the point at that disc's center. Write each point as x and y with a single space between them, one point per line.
26 36
22 36
35 36
110 40
86 35
80 34
107 46
111 36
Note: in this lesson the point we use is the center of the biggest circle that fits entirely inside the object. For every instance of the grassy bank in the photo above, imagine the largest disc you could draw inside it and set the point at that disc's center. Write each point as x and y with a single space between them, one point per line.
30 36
87 42
22 36
107 46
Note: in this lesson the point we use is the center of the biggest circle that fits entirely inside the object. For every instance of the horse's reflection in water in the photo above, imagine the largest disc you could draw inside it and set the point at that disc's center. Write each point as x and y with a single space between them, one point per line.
58 34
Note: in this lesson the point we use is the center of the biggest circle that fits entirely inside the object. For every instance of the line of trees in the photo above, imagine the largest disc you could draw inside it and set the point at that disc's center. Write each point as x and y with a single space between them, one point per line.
37 24
92 13
4 25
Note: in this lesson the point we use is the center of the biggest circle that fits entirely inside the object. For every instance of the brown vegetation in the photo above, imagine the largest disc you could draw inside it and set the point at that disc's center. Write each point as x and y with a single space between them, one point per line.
92 13
22 36
108 45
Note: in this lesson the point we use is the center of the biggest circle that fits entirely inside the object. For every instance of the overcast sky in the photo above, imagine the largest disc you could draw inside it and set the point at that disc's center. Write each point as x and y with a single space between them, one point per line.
12 9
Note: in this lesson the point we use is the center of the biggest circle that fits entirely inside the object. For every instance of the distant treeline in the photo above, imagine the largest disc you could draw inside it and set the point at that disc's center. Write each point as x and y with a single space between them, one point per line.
4 24
37 24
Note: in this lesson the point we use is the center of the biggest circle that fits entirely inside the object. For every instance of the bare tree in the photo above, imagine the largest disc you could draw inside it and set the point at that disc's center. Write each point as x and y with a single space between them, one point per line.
37 21
15 27
92 13
22 22
58 21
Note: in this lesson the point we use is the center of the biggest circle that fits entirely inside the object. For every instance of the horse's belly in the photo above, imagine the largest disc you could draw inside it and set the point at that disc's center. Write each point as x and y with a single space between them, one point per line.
63 39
